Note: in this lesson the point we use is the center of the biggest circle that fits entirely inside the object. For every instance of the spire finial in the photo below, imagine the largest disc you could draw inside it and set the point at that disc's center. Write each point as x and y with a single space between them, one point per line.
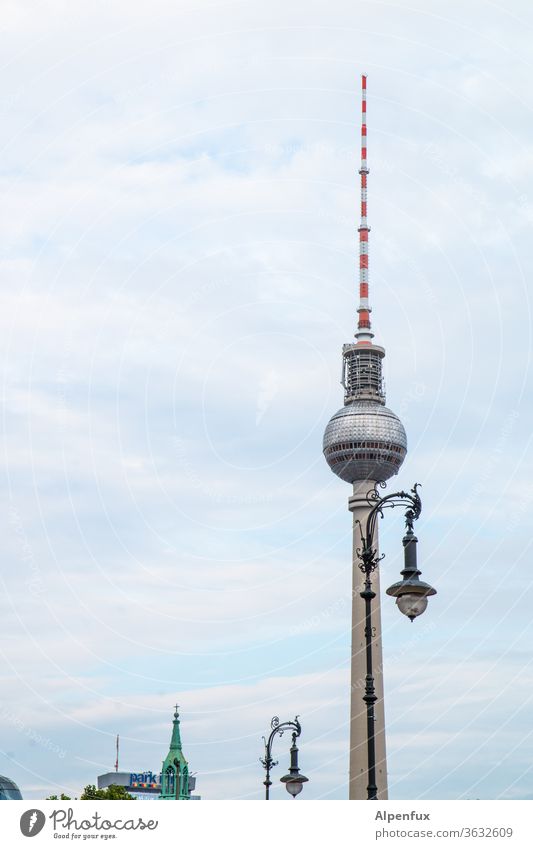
176 712
363 334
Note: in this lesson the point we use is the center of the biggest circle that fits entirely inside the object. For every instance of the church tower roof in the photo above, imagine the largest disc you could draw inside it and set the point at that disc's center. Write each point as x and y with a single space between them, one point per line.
175 769
175 740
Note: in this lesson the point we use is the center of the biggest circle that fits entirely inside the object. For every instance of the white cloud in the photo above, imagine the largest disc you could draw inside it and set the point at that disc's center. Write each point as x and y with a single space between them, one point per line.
180 197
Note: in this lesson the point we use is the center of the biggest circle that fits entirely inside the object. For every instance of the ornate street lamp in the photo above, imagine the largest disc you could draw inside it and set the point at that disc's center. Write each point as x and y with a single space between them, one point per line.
293 781
411 594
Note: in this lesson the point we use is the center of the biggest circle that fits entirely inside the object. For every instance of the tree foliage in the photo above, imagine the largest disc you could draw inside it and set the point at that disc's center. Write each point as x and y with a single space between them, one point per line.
114 791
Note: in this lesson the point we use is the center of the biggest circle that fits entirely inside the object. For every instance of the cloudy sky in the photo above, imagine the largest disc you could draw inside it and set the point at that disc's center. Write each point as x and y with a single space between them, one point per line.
178 272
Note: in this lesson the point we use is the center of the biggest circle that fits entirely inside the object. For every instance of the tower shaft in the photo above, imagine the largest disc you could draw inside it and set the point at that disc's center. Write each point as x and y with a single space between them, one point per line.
358 765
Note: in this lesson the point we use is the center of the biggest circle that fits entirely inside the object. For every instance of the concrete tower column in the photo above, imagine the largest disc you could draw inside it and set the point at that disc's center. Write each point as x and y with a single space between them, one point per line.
359 507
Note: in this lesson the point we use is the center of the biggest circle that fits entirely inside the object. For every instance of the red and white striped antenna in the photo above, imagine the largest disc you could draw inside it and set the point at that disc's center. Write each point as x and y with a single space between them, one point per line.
364 333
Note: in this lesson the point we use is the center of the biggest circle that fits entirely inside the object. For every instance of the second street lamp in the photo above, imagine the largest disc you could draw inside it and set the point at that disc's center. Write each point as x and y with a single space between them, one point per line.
411 596
293 781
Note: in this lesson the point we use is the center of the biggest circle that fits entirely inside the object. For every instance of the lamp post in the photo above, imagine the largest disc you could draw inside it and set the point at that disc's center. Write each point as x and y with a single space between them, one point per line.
293 780
411 594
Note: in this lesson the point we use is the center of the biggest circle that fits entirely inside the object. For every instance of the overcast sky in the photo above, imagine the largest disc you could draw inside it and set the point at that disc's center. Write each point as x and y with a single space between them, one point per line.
178 275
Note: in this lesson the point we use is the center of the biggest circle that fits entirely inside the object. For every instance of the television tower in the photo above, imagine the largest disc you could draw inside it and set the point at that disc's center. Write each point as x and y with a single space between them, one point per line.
364 443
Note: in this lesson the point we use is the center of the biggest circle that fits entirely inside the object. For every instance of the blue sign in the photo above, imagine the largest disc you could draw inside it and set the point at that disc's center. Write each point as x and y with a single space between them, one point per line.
144 779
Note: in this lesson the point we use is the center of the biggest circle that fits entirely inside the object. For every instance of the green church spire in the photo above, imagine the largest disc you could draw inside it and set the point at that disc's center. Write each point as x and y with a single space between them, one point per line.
175 770
175 742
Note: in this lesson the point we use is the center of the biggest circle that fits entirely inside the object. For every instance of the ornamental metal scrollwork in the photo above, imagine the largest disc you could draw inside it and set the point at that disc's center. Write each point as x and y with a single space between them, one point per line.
367 555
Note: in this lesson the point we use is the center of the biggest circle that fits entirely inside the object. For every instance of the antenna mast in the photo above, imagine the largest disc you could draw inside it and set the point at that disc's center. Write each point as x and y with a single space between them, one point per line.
364 334
116 762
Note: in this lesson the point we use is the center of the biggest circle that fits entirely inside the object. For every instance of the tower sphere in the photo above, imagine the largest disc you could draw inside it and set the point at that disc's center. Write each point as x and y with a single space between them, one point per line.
364 440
